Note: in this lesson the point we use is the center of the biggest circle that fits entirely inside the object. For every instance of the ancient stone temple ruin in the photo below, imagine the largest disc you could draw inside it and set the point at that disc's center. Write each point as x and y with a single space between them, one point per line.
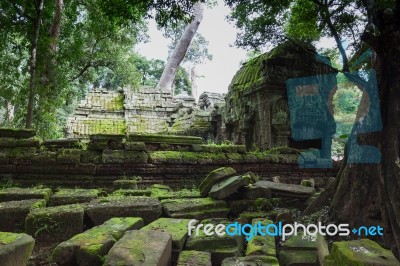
256 111
142 111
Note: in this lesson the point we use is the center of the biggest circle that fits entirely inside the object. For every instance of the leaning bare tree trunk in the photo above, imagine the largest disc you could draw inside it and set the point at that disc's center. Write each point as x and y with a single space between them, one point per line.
33 63
168 75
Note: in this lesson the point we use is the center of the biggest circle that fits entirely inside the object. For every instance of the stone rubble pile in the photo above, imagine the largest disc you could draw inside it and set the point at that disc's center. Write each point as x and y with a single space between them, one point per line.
132 226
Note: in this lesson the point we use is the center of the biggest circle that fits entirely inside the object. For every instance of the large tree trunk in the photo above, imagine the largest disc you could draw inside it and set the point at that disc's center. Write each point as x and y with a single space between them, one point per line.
369 194
33 63
168 75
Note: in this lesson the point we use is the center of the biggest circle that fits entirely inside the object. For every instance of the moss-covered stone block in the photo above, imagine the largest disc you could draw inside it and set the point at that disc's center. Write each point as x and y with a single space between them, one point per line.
139 247
219 158
262 245
299 257
44 158
30 142
214 177
103 209
361 252
13 213
8 143
99 142
54 224
180 194
22 155
189 157
69 156
89 247
17 133
169 139
201 208
228 186
73 196
220 247
204 158
131 192
89 156
234 157
135 146
15 194
58 144
194 257
251 261
15 249
239 206
166 157
122 156
177 228
125 184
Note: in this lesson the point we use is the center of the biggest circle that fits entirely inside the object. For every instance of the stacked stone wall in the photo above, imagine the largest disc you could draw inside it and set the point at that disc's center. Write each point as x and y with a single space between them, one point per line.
173 160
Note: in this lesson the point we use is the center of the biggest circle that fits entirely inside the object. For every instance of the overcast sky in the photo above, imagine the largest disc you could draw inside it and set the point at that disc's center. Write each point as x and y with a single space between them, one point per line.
221 35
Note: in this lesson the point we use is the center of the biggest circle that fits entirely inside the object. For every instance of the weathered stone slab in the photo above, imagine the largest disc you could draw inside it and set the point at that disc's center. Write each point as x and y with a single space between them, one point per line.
180 194
215 177
297 257
169 139
361 252
251 261
106 142
13 213
227 187
201 208
141 248
131 192
239 206
193 257
103 209
17 133
54 224
261 245
135 146
252 192
122 156
177 228
69 156
125 184
88 248
14 194
57 144
15 249
72 196
220 247
287 190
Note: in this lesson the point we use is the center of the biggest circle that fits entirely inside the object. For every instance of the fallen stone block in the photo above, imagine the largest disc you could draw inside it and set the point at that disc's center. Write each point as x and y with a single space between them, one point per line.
287 190
296 257
259 244
13 213
251 261
220 247
73 196
180 194
199 209
215 177
15 249
88 248
14 194
103 209
193 257
138 247
54 224
227 187
177 228
17 133
361 252
239 206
